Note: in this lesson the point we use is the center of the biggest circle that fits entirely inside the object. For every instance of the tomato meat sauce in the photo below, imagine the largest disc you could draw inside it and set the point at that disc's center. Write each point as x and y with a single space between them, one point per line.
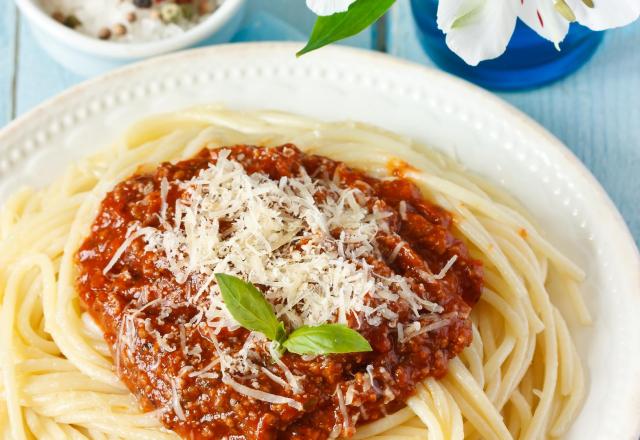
155 352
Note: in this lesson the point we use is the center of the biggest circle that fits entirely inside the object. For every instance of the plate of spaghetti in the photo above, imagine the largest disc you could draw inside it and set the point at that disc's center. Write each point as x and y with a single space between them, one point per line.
229 243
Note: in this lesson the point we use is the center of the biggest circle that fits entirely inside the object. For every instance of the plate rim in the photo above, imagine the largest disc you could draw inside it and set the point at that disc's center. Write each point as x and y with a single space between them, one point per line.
620 233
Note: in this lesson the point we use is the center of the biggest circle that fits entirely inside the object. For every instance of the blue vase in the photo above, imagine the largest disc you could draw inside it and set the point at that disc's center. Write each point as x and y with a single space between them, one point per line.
528 62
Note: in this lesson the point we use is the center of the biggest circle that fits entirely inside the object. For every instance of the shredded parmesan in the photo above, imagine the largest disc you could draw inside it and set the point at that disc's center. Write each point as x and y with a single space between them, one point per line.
440 275
132 234
417 329
396 251
402 209
275 378
429 277
211 364
343 409
183 340
351 391
375 388
175 401
276 234
261 395
292 380
164 191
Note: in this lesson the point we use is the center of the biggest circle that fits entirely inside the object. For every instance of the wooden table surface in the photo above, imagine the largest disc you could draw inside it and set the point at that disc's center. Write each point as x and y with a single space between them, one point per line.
596 112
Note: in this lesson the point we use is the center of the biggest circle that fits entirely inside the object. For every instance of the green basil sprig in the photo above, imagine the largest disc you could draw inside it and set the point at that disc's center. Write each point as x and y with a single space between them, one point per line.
331 28
325 339
249 307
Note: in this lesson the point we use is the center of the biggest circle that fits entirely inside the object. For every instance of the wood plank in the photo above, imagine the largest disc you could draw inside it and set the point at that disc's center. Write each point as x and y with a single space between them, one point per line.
38 76
594 111
7 60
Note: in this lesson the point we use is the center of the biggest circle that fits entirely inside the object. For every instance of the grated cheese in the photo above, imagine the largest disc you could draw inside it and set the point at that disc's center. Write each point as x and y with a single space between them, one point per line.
206 369
396 251
132 234
343 409
280 237
402 209
261 395
349 395
416 329
275 378
440 275
183 340
292 380
175 401
375 388
430 278
164 191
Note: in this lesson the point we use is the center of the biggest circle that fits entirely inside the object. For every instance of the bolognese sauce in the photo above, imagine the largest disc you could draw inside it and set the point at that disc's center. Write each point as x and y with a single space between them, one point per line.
157 349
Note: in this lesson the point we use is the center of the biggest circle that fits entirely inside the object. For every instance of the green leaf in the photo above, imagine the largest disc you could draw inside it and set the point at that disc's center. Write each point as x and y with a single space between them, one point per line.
249 307
326 339
360 15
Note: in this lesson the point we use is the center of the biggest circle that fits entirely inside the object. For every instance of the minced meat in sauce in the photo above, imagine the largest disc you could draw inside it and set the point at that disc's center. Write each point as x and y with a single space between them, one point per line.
154 363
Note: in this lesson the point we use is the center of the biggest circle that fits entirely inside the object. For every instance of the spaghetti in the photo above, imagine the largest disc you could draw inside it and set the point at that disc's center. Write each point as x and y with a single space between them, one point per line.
520 377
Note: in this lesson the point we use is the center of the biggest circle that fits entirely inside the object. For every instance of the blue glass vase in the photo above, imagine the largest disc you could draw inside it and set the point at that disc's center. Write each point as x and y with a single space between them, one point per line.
528 62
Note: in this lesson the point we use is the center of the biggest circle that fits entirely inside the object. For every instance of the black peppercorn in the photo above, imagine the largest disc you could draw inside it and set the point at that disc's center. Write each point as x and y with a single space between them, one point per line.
142 3
72 22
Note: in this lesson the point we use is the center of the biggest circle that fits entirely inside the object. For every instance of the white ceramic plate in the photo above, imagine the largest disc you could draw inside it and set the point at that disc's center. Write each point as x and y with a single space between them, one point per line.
481 131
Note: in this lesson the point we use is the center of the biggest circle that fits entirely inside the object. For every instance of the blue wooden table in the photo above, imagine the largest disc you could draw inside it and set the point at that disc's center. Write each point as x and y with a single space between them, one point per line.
596 112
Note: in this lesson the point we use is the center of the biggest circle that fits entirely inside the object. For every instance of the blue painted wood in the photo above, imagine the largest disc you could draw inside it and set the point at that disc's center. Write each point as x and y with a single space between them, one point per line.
7 54
596 111
38 76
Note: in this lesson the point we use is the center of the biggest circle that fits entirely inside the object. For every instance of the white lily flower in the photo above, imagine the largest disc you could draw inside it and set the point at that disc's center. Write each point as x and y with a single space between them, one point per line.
328 7
605 14
479 30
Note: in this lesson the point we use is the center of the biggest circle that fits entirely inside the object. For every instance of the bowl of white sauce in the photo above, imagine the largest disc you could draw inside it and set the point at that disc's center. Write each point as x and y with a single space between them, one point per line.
90 37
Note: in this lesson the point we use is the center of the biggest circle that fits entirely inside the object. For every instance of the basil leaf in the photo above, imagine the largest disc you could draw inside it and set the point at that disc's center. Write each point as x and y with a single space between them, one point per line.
360 15
326 339
249 307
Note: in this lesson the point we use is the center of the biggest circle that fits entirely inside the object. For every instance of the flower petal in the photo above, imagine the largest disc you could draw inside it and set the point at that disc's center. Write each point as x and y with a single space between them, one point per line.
543 17
605 14
328 7
477 30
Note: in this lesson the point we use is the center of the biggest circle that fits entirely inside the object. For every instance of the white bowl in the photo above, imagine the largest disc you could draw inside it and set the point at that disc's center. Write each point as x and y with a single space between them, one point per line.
89 56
